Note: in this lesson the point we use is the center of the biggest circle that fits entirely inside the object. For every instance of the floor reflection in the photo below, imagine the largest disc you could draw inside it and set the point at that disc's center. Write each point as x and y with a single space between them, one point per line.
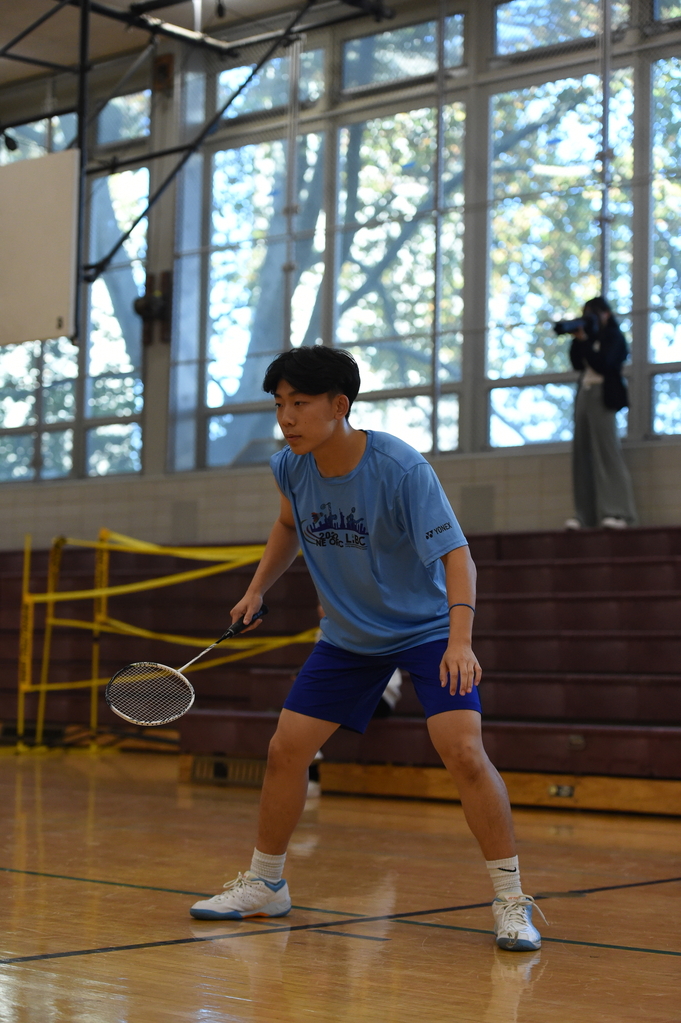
513 975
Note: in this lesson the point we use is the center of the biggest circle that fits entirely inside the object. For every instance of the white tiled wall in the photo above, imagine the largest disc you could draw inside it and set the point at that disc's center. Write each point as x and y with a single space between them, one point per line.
506 491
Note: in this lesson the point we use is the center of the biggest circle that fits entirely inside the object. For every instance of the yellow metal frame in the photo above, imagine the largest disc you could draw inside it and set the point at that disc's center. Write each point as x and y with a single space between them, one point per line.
108 542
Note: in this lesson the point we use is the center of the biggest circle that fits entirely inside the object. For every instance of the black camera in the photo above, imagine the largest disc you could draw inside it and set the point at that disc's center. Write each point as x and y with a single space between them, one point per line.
588 323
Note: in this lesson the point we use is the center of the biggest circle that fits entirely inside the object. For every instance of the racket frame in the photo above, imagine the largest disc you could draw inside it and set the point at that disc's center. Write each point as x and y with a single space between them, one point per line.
233 630
150 665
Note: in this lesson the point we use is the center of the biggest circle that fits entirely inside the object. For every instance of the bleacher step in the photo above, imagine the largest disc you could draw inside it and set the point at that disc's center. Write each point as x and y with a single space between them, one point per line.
560 791
647 751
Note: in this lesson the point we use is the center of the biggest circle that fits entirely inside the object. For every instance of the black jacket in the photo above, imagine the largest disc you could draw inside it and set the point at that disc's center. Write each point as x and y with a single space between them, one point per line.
605 351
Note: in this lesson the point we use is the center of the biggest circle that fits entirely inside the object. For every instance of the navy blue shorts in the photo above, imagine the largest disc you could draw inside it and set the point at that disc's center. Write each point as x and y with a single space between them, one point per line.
341 686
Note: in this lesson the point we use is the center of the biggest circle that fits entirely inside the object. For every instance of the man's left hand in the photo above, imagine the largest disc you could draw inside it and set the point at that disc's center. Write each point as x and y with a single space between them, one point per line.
459 668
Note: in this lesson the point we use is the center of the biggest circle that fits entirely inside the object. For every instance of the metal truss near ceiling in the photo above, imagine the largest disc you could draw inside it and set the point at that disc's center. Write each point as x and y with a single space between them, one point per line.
138 16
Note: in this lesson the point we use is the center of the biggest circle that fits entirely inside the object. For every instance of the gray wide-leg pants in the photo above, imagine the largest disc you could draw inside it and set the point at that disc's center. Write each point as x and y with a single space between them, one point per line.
600 479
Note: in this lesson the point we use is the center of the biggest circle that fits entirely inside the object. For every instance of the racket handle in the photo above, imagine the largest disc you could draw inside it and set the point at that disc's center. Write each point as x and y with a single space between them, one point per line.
239 626
234 630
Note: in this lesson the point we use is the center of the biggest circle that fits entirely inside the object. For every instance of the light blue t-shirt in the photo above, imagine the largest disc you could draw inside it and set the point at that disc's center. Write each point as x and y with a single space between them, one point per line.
373 541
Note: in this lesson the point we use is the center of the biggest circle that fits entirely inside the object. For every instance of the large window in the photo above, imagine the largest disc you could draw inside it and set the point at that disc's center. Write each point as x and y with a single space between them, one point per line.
667 9
113 373
257 294
67 410
252 273
372 249
546 239
665 298
270 88
402 53
37 379
37 138
124 118
393 243
529 24
545 229
530 415
665 331
255 283
667 403
37 409
438 195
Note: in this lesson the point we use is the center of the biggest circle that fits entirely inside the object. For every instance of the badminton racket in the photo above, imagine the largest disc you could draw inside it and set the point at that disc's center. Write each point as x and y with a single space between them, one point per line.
148 693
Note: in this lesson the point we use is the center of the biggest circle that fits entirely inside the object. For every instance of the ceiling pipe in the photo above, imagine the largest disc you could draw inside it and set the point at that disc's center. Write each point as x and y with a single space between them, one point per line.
144 6
72 69
156 26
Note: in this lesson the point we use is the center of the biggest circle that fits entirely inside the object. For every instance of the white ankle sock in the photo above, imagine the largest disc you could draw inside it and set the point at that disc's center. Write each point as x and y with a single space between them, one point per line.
505 876
270 868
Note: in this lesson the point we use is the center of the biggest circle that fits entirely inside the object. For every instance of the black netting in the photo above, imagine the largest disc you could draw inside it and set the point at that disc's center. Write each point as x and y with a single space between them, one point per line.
147 693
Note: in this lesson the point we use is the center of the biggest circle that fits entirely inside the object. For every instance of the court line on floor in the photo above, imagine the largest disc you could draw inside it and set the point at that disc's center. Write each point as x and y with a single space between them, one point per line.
615 887
149 888
555 941
313 909
328 912
344 934
17 960
337 912
398 918
94 880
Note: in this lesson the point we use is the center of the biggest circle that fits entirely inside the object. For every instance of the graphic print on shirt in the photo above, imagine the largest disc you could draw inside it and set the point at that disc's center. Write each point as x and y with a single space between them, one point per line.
335 529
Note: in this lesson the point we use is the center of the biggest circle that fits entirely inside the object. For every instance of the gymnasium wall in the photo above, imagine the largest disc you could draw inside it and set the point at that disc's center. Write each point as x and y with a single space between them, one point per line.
511 490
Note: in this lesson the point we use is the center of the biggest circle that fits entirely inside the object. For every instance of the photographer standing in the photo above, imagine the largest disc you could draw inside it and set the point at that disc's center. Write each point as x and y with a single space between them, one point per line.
601 483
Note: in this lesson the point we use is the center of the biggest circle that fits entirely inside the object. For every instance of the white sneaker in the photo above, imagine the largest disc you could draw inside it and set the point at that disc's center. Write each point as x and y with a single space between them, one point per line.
393 690
248 895
610 522
314 788
513 923
573 524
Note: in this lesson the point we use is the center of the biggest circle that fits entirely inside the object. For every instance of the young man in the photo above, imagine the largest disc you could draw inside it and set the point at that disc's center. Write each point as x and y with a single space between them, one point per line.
393 572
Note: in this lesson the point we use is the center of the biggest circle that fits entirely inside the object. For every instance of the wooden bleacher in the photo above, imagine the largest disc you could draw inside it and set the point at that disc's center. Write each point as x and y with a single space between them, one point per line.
578 635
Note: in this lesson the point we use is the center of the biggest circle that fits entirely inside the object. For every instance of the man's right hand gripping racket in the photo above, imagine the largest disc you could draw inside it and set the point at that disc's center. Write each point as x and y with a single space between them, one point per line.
148 693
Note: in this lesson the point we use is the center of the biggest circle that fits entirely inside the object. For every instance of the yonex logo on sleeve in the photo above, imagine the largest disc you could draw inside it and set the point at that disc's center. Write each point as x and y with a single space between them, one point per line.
438 529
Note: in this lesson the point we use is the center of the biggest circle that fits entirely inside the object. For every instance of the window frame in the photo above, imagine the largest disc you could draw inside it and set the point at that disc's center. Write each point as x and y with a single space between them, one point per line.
482 74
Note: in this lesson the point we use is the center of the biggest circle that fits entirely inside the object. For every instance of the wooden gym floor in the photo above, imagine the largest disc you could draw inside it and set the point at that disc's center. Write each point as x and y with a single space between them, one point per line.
102 855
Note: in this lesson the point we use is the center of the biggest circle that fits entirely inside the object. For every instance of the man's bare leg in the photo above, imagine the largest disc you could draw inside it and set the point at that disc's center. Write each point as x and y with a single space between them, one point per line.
457 737
291 752
262 891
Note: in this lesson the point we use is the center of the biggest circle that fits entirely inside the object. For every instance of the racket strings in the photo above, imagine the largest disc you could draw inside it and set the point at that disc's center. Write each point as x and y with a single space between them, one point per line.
147 693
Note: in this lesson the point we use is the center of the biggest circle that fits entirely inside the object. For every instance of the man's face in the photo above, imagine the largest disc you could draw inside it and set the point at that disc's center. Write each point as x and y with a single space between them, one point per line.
306 420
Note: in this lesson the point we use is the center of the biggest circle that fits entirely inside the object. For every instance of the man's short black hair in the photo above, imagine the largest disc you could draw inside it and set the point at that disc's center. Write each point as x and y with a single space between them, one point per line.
315 370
